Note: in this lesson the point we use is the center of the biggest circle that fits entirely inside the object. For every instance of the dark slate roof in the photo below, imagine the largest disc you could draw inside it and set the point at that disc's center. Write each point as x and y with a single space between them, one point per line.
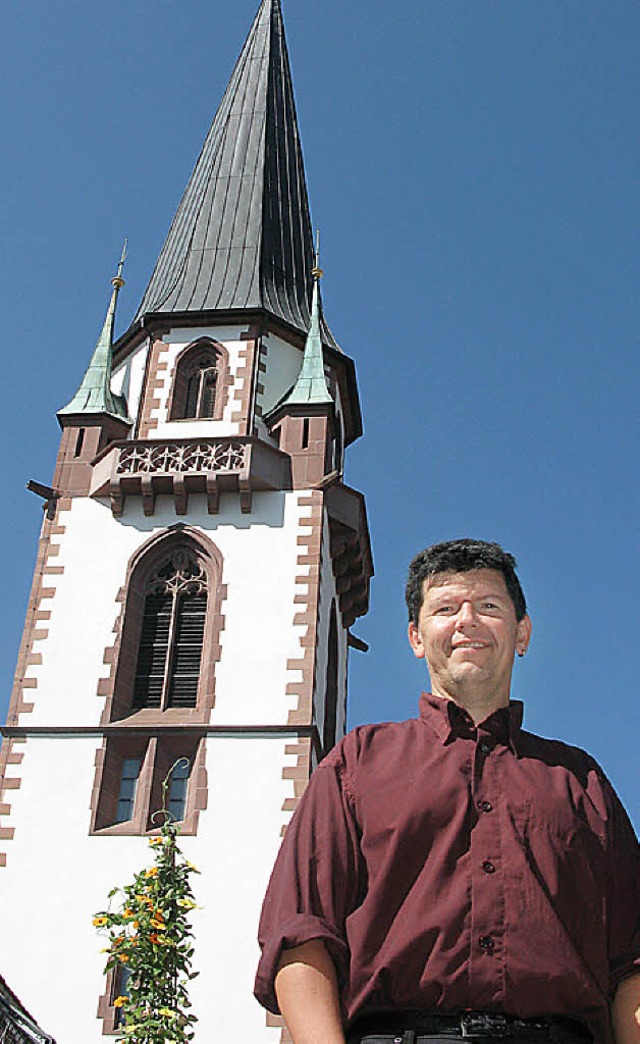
16 1024
241 238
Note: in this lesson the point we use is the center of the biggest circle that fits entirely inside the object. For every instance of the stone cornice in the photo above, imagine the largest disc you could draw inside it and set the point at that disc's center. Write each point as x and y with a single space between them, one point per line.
121 728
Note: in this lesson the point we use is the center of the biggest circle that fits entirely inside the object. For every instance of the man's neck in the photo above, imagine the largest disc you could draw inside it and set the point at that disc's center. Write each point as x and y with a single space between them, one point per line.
478 705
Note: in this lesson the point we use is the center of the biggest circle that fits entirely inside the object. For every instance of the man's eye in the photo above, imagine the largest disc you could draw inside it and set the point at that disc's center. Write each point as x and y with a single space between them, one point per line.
444 610
489 605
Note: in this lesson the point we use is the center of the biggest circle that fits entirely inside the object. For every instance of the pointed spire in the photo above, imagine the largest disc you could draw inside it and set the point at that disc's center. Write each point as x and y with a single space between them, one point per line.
94 394
311 385
241 238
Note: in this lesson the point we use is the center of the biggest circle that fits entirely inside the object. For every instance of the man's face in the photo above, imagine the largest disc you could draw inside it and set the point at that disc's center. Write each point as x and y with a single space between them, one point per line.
468 633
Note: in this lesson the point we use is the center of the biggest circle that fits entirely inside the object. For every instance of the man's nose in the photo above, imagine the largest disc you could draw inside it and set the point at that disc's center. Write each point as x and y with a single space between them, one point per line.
466 614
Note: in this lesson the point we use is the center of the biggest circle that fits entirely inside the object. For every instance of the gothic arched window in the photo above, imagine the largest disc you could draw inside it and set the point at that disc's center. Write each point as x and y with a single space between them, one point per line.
167 647
169 631
173 623
199 383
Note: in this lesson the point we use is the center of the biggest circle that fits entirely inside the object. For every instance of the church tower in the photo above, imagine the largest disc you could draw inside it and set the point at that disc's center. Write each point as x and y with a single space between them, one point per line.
200 566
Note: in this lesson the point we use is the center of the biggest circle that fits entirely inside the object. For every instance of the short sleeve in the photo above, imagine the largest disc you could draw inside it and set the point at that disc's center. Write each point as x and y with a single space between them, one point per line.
624 893
317 879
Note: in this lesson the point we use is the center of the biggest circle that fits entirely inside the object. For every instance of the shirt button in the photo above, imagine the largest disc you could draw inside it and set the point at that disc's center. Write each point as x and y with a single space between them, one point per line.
488 866
485 747
485 806
486 943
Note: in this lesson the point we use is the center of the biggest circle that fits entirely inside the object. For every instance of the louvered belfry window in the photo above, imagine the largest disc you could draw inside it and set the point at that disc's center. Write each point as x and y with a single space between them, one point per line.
170 650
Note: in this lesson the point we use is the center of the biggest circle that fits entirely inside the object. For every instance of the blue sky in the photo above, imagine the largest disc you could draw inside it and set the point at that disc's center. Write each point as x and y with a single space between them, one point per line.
473 167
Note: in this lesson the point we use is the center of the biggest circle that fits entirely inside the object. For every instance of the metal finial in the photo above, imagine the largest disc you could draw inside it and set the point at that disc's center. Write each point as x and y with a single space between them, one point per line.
316 271
117 280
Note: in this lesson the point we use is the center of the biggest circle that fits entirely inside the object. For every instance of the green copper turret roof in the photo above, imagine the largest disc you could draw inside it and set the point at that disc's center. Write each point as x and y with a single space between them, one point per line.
311 385
94 394
241 238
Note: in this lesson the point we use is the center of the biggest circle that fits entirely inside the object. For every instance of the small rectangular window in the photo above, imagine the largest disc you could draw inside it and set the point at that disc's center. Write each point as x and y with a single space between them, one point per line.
79 442
132 771
180 756
123 761
128 785
120 989
177 797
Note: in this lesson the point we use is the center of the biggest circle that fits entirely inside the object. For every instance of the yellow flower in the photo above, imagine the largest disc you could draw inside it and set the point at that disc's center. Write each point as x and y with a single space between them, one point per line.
128 913
99 921
167 1012
119 1002
153 841
123 958
145 899
152 872
157 922
186 904
159 940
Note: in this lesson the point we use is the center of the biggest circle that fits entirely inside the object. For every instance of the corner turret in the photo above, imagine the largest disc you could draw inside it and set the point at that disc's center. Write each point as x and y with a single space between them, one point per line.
95 416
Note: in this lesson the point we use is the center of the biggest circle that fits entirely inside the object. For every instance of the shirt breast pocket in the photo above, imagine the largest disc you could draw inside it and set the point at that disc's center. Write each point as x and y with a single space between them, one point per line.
566 881
565 846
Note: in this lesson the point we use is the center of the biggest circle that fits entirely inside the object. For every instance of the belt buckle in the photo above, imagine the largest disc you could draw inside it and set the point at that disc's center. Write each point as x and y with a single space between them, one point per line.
483 1024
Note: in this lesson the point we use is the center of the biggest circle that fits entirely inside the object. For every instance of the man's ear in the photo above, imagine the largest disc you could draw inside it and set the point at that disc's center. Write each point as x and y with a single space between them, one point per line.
523 636
415 640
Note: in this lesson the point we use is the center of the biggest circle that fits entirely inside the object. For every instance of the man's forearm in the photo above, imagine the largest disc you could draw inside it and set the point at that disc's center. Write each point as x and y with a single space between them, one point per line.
307 991
625 1012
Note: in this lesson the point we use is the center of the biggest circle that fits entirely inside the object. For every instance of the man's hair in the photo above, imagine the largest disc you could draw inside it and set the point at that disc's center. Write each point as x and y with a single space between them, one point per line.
461 556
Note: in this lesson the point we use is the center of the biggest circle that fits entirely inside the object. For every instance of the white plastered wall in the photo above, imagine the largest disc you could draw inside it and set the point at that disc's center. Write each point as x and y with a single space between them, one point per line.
128 379
283 362
57 875
260 565
58 878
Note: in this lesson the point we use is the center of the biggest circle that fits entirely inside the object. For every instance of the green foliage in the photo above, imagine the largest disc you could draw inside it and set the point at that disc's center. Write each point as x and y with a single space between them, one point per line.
149 934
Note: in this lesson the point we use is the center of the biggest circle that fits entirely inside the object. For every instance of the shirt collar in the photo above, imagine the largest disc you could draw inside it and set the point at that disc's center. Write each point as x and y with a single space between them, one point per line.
449 721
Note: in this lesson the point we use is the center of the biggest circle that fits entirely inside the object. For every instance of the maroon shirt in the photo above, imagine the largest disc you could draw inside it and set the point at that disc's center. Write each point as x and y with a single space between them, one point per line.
449 867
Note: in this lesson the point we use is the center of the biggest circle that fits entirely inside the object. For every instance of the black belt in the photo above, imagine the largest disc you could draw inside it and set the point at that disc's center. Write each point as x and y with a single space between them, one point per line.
417 1026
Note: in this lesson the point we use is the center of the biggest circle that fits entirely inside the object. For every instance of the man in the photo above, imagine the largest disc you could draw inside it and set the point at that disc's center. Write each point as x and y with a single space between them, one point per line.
454 876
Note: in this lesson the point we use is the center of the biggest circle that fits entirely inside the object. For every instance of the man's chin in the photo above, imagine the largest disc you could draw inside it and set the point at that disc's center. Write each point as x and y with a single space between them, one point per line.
467 676
464 676
467 669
